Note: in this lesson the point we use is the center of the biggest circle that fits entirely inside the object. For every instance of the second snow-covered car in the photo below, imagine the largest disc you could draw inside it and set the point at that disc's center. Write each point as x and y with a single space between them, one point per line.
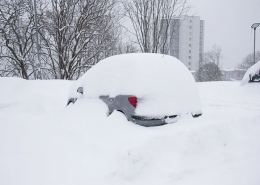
252 74
149 89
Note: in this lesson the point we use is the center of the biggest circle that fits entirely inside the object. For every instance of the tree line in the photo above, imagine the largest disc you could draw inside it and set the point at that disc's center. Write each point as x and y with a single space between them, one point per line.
210 68
76 34
248 61
73 34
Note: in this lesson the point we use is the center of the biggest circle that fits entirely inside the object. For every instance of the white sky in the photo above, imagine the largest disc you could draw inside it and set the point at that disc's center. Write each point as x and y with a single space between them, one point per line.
228 25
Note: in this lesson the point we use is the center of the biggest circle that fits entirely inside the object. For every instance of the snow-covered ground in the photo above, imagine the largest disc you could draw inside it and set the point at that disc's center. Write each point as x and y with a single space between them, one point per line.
45 143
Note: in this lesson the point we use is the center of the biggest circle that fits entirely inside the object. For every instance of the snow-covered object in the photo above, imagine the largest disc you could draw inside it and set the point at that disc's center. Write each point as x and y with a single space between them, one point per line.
44 143
254 69
162 83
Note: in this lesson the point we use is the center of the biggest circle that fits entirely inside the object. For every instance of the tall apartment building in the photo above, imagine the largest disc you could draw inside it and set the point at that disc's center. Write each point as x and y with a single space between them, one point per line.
187 40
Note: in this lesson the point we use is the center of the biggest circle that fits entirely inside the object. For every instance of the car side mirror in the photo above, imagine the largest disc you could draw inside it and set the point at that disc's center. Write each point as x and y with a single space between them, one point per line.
80 90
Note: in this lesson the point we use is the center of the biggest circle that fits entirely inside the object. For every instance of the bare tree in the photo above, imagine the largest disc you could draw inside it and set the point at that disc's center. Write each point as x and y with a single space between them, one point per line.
151 20
210 67
209 72
76 34
214 55
16 37
125 47
248 61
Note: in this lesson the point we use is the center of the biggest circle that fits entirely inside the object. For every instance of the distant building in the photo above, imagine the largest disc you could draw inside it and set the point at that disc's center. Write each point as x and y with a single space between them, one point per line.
230 74
187 40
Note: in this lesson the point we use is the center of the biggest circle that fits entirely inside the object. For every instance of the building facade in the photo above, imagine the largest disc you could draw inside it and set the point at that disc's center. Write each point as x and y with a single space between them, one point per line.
186 40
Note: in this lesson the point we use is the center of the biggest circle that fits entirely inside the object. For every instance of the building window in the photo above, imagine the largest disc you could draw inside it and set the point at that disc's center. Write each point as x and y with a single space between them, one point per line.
189 57
189 63
190 39
190 45
189 51
190 27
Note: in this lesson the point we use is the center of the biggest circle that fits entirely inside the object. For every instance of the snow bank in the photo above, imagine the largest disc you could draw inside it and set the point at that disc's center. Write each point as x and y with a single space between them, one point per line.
35 96
255 69
162 83
80 145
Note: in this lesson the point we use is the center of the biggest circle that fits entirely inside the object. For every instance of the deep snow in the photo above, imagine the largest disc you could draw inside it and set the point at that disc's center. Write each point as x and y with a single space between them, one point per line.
43 142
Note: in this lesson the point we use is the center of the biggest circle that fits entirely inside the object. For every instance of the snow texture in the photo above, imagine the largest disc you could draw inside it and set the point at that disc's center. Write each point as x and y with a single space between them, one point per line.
163 84
44 142
254 69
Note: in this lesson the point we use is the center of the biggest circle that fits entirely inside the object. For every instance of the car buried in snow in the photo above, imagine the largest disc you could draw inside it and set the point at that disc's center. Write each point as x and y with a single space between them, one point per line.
252 75
149 89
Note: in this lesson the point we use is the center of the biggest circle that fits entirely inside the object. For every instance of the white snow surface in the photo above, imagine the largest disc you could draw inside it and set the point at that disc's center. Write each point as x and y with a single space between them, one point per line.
162 83
254 69
44 142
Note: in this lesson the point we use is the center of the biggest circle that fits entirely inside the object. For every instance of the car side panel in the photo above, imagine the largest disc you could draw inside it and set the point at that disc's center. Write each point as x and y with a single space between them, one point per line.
119 103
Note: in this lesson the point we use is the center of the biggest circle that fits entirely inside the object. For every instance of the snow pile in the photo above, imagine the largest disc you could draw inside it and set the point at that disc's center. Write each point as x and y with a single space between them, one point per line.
255 69
162 83
44 142
33 96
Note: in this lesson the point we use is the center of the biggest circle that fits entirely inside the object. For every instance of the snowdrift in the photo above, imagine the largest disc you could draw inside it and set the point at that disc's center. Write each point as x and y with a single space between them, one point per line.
44 142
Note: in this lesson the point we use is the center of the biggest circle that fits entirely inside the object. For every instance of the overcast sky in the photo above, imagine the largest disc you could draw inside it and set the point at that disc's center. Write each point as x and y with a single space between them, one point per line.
228 25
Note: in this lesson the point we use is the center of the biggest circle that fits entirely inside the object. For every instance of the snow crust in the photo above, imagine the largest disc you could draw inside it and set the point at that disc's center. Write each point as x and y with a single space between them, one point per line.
44 142
163 84
254 69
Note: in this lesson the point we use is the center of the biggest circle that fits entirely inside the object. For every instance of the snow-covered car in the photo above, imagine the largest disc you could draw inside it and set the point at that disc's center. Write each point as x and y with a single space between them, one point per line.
252 74
149 89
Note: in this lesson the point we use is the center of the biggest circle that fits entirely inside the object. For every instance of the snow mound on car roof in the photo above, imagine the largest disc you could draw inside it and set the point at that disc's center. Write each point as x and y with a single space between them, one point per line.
254 69
162 83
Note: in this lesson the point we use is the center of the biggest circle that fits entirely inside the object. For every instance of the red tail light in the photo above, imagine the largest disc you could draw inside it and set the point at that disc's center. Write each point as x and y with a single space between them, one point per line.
133 101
